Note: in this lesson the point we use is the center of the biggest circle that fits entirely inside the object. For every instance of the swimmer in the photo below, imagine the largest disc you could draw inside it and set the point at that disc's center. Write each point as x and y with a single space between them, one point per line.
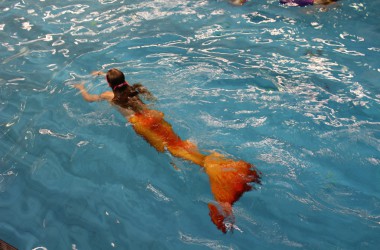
123 95
307 2
238 2
229 179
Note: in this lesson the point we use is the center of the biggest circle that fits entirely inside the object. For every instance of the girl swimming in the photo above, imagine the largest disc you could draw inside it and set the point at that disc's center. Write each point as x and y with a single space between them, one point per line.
229 179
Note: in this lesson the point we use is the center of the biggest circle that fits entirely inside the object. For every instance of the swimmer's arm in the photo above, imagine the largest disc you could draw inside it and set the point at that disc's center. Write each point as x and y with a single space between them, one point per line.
105 96
98 73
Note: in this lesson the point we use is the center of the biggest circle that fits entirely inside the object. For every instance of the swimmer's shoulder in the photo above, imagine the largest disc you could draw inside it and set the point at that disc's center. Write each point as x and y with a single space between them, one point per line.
108 95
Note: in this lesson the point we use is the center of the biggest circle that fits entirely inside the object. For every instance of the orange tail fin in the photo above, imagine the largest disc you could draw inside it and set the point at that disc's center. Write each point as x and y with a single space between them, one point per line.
221 216
229 179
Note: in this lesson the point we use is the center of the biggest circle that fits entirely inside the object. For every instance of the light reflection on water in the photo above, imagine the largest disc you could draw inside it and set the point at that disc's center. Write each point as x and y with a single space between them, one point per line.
292 90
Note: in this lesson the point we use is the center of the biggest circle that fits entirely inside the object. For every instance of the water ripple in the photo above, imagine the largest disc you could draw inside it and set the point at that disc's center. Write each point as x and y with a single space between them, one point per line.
293 90
68 136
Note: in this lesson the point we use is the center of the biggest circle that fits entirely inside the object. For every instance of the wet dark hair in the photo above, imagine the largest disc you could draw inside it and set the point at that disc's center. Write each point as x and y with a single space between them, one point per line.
125 95
115 77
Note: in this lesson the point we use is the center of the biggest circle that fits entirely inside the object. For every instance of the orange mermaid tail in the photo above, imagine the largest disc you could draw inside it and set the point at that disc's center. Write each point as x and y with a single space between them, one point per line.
150 124
229 179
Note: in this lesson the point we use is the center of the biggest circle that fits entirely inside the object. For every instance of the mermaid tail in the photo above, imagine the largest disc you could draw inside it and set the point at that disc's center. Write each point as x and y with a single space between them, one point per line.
150 124
188 151
153 128
229 179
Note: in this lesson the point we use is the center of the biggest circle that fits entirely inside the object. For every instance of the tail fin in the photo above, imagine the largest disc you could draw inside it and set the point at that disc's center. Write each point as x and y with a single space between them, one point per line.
221 216
229 179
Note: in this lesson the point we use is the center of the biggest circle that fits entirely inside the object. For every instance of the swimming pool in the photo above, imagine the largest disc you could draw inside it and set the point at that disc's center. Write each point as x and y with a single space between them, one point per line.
292 90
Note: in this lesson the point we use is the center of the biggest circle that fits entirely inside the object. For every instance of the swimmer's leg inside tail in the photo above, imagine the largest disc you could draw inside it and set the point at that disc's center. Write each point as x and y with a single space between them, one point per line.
146 125
187 151
150 137
159 133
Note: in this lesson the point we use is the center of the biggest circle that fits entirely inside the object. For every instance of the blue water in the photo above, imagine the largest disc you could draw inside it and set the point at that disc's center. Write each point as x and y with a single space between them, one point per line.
294 91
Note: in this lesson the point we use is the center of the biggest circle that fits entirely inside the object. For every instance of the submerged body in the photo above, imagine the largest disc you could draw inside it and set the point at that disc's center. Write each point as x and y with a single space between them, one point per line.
229 179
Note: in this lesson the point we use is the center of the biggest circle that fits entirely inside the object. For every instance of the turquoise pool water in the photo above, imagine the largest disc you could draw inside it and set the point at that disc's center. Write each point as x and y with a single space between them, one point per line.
294 91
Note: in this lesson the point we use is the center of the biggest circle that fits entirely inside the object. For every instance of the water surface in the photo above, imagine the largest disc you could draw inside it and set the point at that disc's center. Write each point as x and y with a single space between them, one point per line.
292 90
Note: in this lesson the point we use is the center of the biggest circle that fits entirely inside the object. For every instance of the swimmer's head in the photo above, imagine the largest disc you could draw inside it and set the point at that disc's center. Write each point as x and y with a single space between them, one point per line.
115 77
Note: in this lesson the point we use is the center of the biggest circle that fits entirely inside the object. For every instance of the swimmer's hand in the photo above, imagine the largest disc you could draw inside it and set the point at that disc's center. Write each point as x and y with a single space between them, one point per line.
79 86
105 96
98 73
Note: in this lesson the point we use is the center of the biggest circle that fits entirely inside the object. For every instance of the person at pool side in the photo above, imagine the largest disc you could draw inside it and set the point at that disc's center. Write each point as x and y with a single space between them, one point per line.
238 2
307 2
229 179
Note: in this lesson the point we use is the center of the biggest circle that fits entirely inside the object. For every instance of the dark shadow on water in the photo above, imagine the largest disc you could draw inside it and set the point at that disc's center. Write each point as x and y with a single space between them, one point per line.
259 82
